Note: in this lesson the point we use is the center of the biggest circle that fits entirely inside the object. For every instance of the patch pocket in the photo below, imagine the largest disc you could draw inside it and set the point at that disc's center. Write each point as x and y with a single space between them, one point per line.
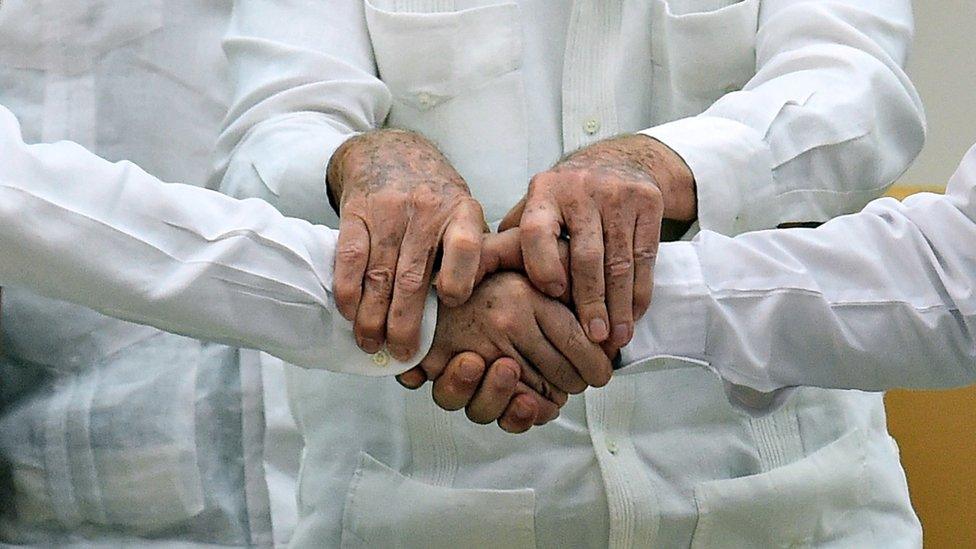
70 36
455 77
804 504
387 509
704 49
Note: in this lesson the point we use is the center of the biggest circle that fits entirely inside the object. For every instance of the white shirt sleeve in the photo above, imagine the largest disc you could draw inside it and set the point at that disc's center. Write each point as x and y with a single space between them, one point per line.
827 123
300 92
183 259
872 301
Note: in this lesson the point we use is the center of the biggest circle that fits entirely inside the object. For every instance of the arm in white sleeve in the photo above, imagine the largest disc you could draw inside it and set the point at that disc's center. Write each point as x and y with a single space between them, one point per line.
305 82
826 124
876 300
183 259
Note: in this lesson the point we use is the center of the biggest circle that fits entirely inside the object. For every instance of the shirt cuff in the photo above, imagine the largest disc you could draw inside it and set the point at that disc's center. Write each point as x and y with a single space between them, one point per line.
350 359
733 170
672 333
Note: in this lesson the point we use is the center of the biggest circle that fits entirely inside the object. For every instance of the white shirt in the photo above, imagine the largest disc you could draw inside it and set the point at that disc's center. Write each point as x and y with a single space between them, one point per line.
118 426
873 301
785 111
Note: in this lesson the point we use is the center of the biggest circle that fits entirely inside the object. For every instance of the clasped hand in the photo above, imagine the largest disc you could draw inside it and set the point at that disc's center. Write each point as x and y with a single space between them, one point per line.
523 319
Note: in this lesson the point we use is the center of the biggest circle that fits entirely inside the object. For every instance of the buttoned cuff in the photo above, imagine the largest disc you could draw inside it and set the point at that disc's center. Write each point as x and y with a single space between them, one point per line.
672 333
733 170
347 357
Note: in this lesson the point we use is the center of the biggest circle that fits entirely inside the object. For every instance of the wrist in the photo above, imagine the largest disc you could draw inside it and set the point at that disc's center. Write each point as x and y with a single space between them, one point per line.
673 177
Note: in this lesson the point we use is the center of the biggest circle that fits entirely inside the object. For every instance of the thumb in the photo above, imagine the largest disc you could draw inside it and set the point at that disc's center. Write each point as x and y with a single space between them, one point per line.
513 217
500 252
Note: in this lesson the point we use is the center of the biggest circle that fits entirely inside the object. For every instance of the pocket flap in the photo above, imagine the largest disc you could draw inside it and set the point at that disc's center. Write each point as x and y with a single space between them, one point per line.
387 509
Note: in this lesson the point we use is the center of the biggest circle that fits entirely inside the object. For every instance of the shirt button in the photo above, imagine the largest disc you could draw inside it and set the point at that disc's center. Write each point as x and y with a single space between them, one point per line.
425 100
612 447
382 358
591 126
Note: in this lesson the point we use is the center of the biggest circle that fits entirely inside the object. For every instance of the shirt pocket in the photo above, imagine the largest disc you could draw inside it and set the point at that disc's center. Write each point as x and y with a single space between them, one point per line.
111 447
702 50
456 77
69 36
804 504
387 509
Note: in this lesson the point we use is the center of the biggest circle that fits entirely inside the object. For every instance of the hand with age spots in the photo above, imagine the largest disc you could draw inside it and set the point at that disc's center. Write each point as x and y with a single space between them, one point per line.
400 203
539 350
610 198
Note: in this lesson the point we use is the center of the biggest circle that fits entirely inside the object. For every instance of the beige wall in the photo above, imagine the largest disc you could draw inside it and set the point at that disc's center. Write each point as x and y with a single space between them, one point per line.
943 67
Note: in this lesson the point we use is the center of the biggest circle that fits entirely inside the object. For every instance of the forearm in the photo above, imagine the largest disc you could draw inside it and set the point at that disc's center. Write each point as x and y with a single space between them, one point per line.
871 301
300 92
826 124
111 237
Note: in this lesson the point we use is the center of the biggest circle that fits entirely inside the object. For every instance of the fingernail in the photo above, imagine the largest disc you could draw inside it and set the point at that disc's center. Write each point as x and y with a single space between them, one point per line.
510 375
469 372
555 289
523 411
621 334
369 345
400 353
598 329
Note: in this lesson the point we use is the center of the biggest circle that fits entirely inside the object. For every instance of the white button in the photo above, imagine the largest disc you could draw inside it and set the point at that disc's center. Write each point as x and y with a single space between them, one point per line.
591 126
382 358
612 447
425 100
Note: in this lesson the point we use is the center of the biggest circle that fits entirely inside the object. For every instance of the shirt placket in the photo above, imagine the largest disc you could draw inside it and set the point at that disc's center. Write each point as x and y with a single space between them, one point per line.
589 114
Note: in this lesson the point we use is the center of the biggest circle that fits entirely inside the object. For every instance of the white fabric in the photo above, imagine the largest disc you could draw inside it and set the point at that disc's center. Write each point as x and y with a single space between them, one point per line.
174 256
111 426
824 121
873 301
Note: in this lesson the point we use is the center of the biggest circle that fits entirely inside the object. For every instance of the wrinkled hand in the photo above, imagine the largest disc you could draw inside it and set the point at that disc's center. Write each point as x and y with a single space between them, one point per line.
508 319
400 203
611 198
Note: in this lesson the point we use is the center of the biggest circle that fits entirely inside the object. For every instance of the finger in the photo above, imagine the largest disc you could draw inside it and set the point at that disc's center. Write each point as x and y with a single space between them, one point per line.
495 392
586 265
434 364
352 255
413 273
500 252
462 254
456 386
647 235
386 236
412 379
513 217
546 358
540 236
520 414
561 327
618 240
530 376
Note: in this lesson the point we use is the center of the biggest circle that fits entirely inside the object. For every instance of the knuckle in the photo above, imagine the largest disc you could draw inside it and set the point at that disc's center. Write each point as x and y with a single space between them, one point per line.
619 266
645 254
381 279
410 281
351 252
